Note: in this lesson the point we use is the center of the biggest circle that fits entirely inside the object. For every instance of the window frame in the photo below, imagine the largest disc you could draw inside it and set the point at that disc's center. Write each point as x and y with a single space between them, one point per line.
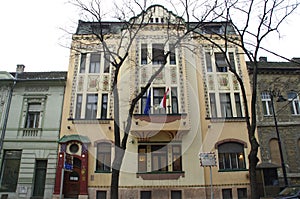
7 165
144 54
79 101
94 66
293 99
157 53
160 158
172 56
213 105
225 103
106 65
266 104
33 117
104 106
83 59
220 62
229 192
91 113
233 159
104 155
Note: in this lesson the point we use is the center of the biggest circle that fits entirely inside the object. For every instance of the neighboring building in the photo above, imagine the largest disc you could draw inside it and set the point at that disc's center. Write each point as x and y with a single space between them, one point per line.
31 106
204 113
283 78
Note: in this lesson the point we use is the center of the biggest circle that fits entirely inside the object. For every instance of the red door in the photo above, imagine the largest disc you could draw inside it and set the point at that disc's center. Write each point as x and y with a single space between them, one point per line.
72 179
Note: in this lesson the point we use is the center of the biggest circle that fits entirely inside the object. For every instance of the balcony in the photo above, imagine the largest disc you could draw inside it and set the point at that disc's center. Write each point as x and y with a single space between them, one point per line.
147 126
30 132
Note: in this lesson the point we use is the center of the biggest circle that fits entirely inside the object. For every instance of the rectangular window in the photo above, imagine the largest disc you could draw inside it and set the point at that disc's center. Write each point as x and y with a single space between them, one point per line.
158 94
208 62
104 106
266 103
294 103
142 161
174 100
238 104
144 54
101 194
172 54
91 106
162 157
78 106
176 158
226 193
213 105
94 63
225 102
10 170
33 115
157 54
220 61
231 59
176 195
159 157
40 178
106 62
82 63
145 194
242 193
103 157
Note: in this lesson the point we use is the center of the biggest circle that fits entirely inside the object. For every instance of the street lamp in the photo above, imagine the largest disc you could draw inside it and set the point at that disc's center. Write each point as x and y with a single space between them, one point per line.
280 99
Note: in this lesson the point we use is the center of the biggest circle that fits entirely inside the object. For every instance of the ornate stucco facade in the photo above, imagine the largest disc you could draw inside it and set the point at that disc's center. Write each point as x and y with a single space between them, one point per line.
204 113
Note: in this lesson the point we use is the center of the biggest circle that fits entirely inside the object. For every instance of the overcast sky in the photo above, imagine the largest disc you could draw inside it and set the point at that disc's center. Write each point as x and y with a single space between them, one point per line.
32 33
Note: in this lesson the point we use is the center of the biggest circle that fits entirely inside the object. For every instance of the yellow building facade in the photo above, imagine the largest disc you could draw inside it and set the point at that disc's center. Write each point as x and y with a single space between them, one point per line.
194 106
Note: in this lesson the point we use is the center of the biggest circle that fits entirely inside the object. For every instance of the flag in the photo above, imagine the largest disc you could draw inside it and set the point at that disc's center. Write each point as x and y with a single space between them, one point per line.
163 103
147 106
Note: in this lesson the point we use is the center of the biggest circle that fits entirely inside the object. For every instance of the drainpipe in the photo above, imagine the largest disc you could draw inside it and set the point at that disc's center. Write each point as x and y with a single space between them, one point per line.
20 69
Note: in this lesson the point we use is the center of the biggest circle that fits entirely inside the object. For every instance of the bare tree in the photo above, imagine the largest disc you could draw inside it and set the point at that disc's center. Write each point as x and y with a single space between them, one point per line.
260 18
253 21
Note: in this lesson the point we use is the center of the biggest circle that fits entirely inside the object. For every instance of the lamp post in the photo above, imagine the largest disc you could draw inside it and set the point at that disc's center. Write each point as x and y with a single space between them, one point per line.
280 99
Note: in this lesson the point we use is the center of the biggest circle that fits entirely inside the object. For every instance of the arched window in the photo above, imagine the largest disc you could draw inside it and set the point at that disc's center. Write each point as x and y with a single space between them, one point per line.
231 156
294 102
274 151
103 163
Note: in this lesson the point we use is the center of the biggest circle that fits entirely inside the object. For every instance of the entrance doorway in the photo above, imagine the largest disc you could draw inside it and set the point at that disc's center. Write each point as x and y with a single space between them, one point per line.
72 180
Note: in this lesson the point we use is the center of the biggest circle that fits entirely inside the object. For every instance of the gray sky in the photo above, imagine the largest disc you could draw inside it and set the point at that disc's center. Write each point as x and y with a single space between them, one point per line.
32 34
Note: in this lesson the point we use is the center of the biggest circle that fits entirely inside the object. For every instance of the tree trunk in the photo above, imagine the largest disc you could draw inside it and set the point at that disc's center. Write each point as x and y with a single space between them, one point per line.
253 160
114 190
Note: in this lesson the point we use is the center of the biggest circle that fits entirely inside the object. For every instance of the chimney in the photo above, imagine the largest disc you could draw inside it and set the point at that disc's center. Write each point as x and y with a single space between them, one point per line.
20 68
263 59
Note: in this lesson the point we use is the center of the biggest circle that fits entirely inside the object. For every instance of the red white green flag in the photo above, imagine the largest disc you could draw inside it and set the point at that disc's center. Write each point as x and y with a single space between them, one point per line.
163 103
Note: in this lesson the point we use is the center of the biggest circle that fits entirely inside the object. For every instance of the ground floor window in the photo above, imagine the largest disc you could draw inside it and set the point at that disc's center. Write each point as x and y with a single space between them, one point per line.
226 193
145 194
157 157
242 193
10 171
231 156
176 195
101 194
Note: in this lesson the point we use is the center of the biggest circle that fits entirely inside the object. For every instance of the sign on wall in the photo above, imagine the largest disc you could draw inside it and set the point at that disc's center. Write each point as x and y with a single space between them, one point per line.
208 159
